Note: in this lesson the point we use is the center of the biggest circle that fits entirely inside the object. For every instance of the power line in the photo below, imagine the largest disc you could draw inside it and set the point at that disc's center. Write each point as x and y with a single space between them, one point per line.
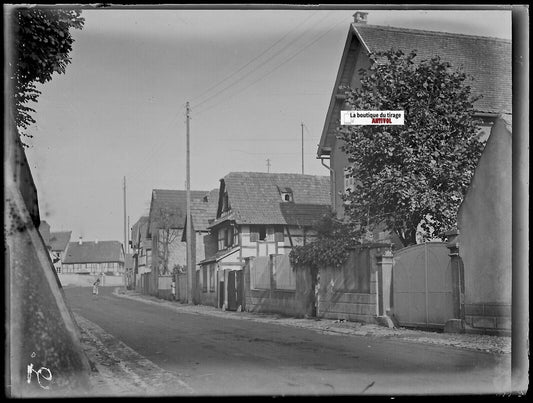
255 69
252 60
275 68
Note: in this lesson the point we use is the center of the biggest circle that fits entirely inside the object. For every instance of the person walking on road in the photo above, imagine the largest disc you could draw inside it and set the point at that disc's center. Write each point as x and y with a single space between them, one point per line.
95 287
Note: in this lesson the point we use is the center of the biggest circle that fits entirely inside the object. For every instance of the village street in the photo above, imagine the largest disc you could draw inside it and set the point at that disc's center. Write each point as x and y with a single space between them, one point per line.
165 350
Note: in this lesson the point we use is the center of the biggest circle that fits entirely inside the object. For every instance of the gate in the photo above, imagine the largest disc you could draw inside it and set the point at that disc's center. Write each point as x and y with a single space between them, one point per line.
422 288
235 289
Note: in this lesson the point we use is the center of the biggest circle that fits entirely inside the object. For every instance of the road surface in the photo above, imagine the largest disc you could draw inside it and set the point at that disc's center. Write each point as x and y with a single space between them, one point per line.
221 356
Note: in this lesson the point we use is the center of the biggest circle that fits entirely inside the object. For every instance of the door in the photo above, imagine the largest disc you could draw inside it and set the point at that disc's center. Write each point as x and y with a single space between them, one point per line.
422 285
232 291
220 294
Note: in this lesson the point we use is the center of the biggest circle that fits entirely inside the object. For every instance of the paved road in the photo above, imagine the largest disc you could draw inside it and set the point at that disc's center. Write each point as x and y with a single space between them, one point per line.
219 356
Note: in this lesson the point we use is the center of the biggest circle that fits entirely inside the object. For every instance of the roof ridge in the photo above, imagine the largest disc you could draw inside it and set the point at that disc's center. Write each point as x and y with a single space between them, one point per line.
421 31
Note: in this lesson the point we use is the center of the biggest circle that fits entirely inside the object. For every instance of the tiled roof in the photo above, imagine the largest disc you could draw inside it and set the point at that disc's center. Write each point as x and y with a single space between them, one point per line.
94 252
487 60
59 240
303 214
170 206
202 210
139 230
255 197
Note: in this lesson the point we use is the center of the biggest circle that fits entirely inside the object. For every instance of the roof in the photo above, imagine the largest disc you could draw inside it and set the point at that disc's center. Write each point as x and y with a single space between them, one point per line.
168 208
255 198
139 231
202 211
59 240
487 60
94 252
221 254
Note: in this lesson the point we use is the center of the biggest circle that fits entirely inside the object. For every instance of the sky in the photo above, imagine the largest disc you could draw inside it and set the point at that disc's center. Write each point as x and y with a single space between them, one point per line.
252 77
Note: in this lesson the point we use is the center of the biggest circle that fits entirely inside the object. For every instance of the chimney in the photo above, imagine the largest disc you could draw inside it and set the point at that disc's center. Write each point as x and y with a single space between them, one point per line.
80 241
360 17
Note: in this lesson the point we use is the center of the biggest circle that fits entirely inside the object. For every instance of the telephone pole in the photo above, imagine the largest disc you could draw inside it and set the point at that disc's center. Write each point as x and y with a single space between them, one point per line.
188 228
302 148
125 225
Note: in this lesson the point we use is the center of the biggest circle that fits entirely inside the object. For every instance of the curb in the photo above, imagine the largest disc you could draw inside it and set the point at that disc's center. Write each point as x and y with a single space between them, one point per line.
485 344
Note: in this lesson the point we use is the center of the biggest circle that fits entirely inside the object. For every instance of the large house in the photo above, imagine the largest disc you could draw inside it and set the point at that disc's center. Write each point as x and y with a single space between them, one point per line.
259 214
94 258
165 225
487 60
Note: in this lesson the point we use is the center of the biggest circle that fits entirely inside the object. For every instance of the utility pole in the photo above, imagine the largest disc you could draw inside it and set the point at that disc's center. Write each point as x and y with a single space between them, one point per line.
129 229
125 235
302 148
188 228
268 165
125 226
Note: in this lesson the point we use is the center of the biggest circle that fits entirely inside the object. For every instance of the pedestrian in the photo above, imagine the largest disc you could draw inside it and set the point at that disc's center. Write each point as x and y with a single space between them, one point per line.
95 287
173 289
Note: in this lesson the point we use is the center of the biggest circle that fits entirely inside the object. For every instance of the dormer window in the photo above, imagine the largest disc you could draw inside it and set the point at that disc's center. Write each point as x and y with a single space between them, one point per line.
286 194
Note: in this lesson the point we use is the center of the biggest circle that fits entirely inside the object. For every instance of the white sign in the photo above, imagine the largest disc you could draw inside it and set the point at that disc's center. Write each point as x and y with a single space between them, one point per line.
362 118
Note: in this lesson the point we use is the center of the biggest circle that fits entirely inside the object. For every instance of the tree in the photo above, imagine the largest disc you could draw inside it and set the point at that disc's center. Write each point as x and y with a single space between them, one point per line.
166 236
42 42
416 174
334 239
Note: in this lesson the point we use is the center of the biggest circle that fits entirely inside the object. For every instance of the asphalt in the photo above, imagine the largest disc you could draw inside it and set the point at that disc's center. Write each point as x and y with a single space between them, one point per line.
478 342
117 370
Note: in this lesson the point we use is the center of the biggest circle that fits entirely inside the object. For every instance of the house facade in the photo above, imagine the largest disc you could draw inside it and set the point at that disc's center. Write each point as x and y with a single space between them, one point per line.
94 258
142 250
56 242
203 211
488 60
168 209
258 215
58 245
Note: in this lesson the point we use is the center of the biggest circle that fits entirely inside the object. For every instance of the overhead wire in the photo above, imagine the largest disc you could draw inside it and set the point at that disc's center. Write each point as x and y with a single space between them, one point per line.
271 58
316 39
261 54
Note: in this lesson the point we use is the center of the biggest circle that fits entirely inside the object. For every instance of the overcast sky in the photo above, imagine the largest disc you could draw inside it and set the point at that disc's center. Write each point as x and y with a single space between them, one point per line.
252 77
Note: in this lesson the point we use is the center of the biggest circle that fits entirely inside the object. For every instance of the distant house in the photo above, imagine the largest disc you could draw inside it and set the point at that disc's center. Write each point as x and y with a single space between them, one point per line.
487 60
168 209
142 249
56 242
203 211
94 257
58 245
260 214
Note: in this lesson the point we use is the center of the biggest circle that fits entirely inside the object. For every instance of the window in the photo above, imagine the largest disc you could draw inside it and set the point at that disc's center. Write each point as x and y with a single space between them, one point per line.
258 233
286 194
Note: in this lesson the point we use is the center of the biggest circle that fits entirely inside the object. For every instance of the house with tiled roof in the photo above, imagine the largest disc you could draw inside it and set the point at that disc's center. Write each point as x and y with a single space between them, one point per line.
94 258
203 211
165 225
487 60
58 245
141 246
56 242
260 214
